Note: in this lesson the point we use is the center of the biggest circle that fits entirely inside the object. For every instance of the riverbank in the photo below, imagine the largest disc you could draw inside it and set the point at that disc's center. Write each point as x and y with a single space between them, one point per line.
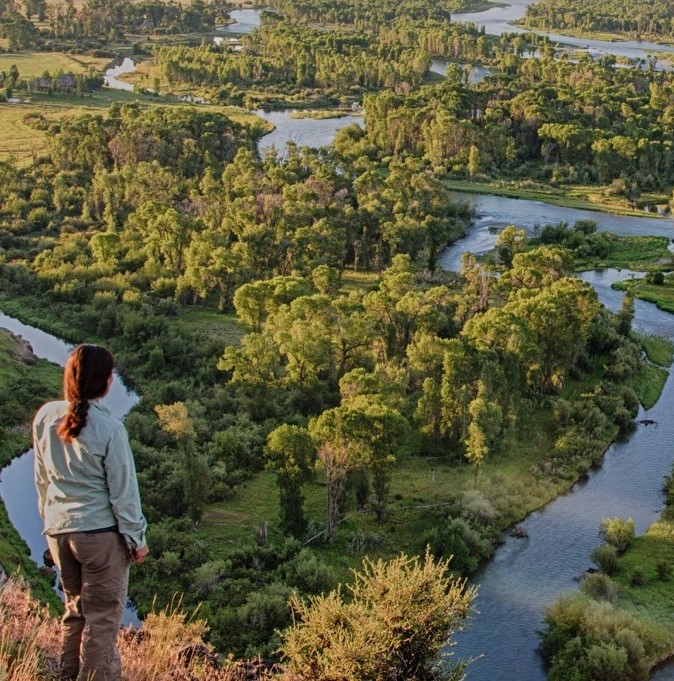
26 382
603 36
661 294
578 197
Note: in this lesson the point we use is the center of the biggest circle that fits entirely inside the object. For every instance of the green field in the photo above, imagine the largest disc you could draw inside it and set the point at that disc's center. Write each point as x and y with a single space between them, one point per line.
34 64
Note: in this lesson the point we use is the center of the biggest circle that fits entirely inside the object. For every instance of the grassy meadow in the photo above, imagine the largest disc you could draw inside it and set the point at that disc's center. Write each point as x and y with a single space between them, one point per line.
34 64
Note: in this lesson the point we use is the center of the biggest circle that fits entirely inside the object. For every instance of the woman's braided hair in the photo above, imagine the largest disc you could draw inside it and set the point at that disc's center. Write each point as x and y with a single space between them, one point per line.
85 378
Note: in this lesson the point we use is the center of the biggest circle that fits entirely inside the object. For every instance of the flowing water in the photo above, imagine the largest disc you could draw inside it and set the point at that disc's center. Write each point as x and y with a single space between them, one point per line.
111 79
496 212
309 132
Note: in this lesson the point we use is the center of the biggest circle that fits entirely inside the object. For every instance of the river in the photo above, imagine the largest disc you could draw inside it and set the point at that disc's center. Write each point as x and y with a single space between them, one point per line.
17 489
499 20
496 212
111 79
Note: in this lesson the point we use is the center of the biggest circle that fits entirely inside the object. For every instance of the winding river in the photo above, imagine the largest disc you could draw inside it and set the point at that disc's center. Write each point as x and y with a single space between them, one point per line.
525 575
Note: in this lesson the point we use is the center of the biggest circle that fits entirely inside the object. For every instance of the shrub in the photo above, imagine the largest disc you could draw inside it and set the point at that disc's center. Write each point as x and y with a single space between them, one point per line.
638 577
664 569
617 532
600 587
606 558
399 617
455 537
587 640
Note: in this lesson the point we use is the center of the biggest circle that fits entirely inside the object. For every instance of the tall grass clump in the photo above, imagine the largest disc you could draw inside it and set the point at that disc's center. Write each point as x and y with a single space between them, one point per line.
168 647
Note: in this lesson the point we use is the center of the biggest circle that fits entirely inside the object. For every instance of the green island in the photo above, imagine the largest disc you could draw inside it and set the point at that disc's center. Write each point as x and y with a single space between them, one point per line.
320 399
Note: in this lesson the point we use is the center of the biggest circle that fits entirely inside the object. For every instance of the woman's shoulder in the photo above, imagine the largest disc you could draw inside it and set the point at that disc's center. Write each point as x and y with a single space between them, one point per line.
54 409
101 418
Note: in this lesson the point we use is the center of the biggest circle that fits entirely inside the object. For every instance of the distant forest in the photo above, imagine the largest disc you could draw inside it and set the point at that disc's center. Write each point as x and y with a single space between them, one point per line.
643 17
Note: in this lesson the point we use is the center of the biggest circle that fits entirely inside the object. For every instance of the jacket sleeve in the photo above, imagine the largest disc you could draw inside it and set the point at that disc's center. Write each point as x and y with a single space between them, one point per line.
120 472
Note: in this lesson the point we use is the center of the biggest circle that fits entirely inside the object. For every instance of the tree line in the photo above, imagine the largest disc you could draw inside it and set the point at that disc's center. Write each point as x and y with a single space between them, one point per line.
369 15
97 22
654 18
538 118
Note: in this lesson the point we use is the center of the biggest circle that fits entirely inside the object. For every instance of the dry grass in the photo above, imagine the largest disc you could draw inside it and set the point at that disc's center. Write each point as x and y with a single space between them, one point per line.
34 64
168 647
29 638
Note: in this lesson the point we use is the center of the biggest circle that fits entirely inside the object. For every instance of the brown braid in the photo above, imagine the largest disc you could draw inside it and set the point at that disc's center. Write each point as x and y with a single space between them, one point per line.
85 378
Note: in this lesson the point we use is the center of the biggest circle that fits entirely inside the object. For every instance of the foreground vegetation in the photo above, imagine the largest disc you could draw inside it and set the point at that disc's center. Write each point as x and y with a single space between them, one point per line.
398 618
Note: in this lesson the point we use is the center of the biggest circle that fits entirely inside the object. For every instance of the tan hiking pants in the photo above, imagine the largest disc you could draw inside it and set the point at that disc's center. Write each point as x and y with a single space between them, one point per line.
94 572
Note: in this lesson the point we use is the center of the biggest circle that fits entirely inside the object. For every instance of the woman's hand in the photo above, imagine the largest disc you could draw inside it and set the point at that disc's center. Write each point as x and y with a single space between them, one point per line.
139 555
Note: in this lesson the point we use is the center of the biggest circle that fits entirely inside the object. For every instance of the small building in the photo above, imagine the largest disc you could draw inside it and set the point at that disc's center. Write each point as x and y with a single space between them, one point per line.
66 82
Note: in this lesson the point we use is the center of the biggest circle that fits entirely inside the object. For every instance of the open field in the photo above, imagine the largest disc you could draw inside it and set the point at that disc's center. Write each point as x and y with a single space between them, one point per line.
34 64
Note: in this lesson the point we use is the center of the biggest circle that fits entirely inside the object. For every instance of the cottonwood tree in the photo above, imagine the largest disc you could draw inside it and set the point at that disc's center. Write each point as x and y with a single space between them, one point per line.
175 420
291 454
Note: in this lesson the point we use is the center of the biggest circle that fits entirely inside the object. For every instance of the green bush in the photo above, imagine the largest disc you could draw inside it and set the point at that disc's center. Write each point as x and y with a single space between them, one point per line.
664 569
638 577
617 532
606 558
589 640
657 278
600 587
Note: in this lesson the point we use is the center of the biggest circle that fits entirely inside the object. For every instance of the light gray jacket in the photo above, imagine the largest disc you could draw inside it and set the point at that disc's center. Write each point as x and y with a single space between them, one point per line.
89 483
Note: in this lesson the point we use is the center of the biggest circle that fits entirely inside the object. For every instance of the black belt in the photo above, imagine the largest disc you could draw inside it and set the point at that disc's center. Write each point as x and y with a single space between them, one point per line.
113 528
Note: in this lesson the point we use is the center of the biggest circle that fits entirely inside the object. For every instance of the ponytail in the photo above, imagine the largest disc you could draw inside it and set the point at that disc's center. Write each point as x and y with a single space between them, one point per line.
85 378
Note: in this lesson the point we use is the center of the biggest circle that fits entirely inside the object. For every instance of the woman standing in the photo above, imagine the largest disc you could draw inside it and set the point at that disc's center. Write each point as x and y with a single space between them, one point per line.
89 501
